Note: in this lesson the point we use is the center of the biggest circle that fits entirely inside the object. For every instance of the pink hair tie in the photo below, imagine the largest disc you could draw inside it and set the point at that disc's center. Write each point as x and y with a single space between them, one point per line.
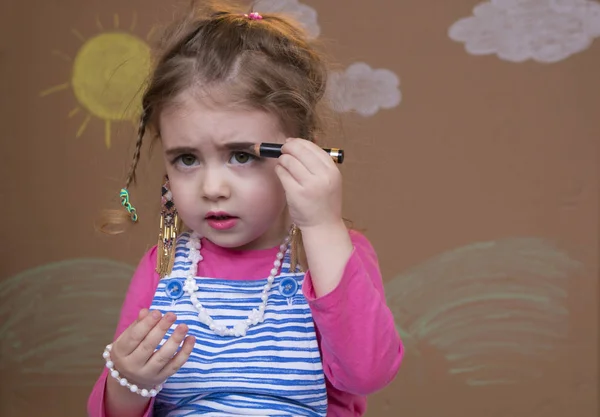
254 16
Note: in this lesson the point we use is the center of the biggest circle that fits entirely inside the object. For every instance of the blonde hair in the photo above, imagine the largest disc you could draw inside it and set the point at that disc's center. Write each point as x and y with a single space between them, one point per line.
268 64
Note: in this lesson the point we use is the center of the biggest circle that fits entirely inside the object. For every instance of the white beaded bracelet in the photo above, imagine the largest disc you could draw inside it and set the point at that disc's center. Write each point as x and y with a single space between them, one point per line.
123 381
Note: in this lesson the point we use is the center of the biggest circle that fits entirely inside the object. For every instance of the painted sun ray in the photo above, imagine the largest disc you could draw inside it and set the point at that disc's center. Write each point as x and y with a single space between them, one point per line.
83 126
150 33
62 55
107 133
133 22
116 21
74 112
54 89
78 35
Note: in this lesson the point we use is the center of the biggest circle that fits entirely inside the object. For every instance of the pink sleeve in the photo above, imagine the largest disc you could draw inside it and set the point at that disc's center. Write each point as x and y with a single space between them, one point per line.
139 295
360 345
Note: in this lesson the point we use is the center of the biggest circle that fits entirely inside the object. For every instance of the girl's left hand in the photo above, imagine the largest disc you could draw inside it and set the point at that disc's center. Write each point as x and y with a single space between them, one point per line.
312 182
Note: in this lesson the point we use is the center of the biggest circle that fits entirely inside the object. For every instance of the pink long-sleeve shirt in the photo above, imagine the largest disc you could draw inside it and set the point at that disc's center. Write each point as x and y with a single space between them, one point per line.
360 346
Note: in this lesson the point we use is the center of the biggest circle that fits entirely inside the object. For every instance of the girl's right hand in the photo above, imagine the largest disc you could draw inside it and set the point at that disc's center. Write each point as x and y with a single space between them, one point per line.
134 356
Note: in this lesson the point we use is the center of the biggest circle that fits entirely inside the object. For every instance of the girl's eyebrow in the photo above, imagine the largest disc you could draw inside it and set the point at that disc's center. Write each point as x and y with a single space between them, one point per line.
179 150
238 145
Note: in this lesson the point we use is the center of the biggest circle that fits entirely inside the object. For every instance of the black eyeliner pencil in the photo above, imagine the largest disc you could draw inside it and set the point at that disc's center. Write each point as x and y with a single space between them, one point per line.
273 150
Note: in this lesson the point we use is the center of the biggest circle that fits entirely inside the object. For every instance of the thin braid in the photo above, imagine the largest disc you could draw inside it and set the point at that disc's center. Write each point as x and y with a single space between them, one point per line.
124 193
138 149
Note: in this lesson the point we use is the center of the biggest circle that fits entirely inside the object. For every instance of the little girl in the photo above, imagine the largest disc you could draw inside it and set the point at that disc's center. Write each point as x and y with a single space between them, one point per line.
267 304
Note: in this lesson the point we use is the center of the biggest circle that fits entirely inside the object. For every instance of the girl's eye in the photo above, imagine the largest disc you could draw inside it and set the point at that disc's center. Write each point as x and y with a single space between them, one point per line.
187 160
242 157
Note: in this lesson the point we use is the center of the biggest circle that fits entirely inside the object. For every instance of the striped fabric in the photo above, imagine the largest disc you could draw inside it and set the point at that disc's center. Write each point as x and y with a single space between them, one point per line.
275 370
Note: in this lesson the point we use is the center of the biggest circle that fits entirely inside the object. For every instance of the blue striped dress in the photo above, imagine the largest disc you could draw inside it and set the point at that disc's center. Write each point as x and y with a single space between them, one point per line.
274 370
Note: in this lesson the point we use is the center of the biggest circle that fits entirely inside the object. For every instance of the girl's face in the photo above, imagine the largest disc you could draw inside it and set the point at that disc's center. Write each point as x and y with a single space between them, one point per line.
226 195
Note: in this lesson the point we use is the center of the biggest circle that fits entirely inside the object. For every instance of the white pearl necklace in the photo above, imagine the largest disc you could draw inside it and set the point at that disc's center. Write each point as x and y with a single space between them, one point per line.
256 316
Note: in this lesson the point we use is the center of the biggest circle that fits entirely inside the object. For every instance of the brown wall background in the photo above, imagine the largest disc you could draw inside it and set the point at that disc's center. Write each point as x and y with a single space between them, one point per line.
479 192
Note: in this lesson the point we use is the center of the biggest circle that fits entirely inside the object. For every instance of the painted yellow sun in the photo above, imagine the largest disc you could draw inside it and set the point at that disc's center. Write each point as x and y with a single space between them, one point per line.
107 75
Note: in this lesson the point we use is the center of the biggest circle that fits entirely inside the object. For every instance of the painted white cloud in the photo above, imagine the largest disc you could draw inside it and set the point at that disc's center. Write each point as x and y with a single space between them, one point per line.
363 89
359 88
306 15
546 31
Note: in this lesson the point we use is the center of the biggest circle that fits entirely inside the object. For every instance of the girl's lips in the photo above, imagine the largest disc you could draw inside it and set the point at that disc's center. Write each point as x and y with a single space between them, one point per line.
217 214
221 223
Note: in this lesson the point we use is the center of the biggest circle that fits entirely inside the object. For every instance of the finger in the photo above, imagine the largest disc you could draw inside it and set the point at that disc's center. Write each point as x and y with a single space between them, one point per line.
162 356
309 154
290 184
142 314
322 155
294 167
179 359
148 346
134 334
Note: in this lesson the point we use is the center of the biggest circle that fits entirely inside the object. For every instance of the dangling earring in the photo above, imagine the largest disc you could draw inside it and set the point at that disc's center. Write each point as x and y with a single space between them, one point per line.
296 248
169 228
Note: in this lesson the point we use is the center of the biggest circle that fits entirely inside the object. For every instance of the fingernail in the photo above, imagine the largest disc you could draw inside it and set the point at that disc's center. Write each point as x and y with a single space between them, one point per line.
156 314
